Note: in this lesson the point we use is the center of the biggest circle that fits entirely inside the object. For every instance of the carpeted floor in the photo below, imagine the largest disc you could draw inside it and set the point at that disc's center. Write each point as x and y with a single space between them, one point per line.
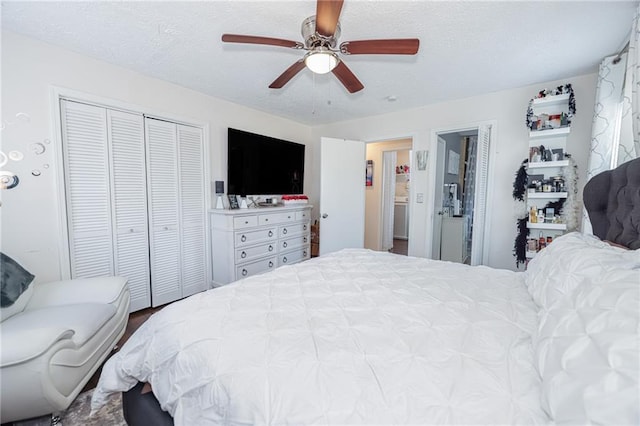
78 413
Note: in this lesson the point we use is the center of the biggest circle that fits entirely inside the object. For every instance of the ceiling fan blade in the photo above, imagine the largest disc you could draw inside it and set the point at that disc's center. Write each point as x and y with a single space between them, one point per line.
401 46
237 38
327 15
347 78
288 75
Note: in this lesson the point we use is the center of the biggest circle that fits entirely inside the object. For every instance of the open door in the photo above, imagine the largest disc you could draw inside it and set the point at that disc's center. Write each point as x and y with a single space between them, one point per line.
342 196
438 209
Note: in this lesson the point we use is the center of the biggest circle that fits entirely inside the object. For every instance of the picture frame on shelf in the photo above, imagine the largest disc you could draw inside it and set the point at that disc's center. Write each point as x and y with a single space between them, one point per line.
233 201
557 154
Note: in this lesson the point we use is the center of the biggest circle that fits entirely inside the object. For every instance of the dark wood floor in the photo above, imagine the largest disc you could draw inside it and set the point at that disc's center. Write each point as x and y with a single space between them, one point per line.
400 246
136 319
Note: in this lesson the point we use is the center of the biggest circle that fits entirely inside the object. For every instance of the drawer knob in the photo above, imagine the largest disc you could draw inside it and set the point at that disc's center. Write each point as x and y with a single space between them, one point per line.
288 217
244 272
304 227
284 259
270 248
270 264
243 238
243 254
132 230
271 233
284 231
166 228
266 220
304 239
246 222
284 244
304 253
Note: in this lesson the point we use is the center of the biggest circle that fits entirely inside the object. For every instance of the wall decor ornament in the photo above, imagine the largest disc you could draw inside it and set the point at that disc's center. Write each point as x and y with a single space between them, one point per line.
8 180
369 173
421 159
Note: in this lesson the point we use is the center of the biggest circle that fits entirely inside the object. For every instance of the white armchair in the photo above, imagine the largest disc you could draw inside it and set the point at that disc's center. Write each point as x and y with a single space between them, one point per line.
53 338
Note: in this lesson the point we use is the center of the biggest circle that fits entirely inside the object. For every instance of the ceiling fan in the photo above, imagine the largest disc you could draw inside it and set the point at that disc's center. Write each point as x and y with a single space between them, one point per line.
321 33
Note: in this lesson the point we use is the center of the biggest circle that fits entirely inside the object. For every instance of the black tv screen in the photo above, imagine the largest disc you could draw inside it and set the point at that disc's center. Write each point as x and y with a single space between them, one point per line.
262 165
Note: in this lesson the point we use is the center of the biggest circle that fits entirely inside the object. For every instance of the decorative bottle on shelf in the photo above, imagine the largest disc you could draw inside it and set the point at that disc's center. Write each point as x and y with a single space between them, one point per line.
533 215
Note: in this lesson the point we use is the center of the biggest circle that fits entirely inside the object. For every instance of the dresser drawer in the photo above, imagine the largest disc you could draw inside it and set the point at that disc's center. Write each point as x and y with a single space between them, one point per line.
303 215
257 236
294 256
257 267
293 242
295 229
251 253
275 218
245 222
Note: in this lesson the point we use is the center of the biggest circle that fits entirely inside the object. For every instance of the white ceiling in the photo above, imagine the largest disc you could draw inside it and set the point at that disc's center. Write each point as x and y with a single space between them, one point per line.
467 47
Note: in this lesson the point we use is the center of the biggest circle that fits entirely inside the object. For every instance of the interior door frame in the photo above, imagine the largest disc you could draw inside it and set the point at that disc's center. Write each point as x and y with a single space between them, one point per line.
436 240
486 226
59 93
412 150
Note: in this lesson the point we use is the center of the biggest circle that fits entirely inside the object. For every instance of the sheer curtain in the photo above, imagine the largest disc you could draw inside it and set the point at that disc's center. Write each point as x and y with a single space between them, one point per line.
629 147
389 159
615 132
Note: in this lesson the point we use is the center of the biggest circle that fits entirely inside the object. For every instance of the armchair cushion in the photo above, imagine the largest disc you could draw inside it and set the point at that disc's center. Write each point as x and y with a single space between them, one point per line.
14 282
33 332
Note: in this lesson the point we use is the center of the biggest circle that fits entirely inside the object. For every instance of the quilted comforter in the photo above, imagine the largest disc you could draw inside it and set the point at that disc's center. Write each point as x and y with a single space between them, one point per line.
355 337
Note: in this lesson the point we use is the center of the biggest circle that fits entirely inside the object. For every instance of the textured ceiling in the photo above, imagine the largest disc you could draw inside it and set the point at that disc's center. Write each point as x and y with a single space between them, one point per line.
467 47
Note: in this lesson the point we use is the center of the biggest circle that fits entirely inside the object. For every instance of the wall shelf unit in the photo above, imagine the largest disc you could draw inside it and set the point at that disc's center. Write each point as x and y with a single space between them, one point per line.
549 120
548 164
547 195
549 133
548 226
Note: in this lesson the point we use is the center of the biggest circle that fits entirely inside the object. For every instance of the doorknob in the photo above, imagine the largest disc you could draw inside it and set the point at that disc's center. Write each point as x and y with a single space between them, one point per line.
324 215
441 213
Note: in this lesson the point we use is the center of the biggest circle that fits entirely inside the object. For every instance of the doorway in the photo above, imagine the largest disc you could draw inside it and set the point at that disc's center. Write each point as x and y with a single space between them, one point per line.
460 194
387 212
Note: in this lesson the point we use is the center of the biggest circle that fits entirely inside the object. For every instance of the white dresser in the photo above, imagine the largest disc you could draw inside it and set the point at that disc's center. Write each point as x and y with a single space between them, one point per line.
246 242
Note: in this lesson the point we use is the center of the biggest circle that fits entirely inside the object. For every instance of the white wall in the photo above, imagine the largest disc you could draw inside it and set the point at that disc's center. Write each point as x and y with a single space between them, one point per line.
508 109
30 226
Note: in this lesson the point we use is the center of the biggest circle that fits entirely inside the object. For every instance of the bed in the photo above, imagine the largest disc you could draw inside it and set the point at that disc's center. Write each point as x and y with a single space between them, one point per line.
363 337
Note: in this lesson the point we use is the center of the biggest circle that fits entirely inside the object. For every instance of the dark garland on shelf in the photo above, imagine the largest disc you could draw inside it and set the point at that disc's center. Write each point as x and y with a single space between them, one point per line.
567 88
520 184
520 245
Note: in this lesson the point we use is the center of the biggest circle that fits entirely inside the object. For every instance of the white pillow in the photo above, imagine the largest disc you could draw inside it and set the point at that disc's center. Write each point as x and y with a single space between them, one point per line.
587 343
560 268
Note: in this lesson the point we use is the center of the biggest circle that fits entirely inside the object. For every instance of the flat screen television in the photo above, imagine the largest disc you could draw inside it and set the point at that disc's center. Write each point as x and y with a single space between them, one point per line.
262 165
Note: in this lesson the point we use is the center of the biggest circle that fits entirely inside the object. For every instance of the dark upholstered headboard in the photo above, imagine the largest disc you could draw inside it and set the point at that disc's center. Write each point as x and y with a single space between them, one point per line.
612 199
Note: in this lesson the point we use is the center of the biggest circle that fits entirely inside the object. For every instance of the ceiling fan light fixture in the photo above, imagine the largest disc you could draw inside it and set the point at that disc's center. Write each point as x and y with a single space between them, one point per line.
321 60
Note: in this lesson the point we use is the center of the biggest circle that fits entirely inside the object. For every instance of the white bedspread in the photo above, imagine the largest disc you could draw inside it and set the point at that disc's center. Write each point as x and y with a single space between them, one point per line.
355 337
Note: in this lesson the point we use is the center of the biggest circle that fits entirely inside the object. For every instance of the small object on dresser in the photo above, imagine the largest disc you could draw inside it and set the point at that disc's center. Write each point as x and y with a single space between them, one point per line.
294 199
233 201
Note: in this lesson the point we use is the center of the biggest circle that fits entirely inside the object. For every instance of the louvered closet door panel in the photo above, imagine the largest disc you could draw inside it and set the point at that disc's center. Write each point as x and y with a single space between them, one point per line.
192 210
480 196
162 184
86 169
128 182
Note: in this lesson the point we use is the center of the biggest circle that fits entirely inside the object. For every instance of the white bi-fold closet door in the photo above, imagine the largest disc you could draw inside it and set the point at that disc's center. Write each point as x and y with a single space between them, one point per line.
135 201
